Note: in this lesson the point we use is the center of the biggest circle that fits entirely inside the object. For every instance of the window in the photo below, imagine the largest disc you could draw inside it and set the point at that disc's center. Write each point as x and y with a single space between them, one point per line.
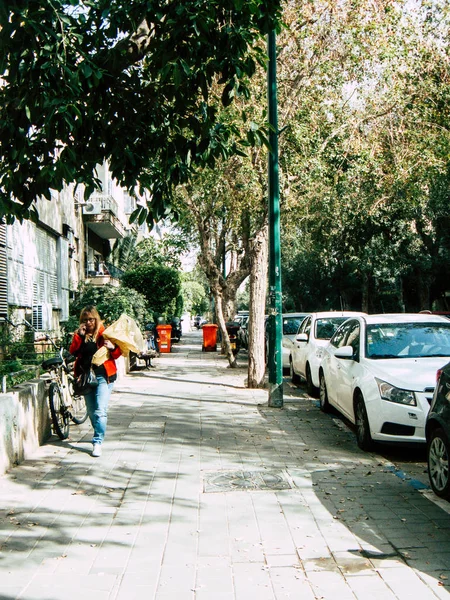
325 328
305 327
338 339
353 337
408 340
3 273
290 326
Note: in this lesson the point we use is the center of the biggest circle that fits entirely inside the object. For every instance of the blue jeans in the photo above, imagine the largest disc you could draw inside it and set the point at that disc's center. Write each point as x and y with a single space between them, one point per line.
97 407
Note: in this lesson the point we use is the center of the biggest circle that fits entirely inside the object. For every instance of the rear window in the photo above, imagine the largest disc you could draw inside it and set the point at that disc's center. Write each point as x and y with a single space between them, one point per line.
325 328
291 325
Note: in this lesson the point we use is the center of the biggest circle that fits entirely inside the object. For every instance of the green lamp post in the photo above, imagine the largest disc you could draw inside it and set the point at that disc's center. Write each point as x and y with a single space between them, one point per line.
275 300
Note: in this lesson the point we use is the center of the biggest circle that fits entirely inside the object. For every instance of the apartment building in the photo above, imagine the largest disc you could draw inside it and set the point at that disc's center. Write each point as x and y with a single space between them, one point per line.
43 264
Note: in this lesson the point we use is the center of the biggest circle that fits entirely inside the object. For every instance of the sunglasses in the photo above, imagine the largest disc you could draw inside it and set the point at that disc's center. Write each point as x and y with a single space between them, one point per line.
88 320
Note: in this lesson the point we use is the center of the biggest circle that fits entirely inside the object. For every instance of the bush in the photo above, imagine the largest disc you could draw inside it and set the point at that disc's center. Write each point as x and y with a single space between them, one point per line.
161 286
111 302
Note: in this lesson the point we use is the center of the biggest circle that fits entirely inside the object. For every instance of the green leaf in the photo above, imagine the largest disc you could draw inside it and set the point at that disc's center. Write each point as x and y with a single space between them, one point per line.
134 215
228 94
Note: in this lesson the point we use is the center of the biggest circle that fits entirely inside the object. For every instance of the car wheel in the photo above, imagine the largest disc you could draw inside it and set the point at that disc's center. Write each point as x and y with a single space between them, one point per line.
310 387
294 377
363 437
323 394
438 452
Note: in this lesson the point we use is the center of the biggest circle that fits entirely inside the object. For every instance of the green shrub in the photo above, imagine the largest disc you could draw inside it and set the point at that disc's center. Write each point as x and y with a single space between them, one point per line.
161 286
111 302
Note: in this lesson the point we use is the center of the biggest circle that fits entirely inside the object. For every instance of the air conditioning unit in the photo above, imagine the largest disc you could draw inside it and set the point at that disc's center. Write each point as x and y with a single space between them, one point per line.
92 208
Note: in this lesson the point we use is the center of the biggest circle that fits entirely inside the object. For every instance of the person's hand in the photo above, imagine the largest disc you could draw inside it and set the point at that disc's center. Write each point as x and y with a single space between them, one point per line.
109 345
82 330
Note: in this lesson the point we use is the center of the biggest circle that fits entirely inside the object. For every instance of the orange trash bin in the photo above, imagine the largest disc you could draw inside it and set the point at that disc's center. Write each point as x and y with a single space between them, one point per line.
209 337
164 335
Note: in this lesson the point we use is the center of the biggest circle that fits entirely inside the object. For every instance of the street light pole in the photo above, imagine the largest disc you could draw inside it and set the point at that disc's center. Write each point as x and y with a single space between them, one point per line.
275 300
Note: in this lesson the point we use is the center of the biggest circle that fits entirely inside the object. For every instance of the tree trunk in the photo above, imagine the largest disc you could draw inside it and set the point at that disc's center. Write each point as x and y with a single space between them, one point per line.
229 304
365 292
423 290
258 290
223 330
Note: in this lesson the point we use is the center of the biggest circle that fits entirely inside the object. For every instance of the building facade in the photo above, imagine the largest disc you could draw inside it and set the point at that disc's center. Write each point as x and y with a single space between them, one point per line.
43 264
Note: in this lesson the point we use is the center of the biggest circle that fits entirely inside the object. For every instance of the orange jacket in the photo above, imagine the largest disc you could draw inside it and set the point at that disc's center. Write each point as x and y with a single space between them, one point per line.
109 365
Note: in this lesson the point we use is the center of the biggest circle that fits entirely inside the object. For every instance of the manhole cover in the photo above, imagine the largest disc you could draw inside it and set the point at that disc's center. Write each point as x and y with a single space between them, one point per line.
230 481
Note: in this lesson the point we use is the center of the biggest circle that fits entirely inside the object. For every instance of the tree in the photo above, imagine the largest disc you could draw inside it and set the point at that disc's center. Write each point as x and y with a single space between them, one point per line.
221 207
134 83
194 289
372 195
160 285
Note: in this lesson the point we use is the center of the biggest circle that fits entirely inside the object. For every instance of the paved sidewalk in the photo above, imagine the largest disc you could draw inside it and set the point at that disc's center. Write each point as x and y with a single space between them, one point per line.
205 493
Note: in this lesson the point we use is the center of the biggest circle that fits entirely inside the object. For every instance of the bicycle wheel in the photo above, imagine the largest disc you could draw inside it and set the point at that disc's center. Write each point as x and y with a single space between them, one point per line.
60 415
78 413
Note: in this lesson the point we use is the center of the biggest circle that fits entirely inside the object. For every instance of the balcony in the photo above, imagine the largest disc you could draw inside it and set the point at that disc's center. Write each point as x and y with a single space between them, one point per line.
100 216
103 274
99 280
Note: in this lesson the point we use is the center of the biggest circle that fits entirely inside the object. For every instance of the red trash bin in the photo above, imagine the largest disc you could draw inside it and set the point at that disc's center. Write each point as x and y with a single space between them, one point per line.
209 337
164 336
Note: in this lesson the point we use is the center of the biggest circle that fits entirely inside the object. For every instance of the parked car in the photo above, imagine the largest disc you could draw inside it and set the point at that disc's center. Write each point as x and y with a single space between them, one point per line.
176 332
437 433
313 335
291 325
243 330
199 321
379 371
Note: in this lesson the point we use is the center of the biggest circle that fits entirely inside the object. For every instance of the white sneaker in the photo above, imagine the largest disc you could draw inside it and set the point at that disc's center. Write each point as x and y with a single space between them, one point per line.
97 450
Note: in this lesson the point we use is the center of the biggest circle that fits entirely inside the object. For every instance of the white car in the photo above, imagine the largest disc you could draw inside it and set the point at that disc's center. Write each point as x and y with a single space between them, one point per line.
379 371
313 335
291 325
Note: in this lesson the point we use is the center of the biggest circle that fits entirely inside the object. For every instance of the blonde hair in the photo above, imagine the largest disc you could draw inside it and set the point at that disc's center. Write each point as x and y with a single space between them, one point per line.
90 311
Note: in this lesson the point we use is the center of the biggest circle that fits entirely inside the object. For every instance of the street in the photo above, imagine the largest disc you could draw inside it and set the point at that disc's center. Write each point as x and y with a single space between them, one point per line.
409 462
203 492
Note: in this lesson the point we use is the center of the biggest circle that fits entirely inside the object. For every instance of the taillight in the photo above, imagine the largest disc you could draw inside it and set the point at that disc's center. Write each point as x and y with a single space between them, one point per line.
438 374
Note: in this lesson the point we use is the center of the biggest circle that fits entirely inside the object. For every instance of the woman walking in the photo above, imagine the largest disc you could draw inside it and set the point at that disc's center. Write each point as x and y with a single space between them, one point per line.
85 343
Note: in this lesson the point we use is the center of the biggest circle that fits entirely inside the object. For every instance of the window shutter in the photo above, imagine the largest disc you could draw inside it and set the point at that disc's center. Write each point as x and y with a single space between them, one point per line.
63 278
33 270
3 272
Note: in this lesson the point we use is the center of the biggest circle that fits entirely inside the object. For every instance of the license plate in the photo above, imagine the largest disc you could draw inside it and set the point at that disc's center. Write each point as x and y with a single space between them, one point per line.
233 345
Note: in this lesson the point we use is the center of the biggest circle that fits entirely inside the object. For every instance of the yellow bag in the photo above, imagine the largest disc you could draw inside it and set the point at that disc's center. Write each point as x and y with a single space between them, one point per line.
100 356
126 334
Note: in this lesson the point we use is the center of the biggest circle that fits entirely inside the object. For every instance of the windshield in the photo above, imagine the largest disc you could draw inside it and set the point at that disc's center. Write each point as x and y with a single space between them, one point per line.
325 328
408 340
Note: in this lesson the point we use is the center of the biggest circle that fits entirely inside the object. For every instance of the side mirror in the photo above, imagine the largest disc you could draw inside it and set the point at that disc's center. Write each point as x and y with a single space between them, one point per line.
302 337
346 352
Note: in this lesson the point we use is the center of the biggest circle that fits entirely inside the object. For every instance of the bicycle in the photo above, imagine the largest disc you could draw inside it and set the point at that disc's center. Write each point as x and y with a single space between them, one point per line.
64 405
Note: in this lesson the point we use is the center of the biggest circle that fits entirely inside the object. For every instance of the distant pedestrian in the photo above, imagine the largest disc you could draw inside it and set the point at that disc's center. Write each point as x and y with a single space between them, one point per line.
85 343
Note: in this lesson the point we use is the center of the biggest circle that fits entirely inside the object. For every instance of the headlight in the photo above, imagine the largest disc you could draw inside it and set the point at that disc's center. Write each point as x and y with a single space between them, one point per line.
393 394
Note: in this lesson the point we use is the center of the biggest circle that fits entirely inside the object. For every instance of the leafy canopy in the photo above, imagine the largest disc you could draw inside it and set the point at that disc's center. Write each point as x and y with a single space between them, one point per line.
111 302
160 285
91 80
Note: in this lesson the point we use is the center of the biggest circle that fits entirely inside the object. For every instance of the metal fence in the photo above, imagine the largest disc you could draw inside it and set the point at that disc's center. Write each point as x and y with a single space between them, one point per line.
21 357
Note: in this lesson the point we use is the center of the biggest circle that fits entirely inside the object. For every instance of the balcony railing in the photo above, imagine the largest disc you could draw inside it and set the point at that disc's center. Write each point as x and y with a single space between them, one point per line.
101 214
104 202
